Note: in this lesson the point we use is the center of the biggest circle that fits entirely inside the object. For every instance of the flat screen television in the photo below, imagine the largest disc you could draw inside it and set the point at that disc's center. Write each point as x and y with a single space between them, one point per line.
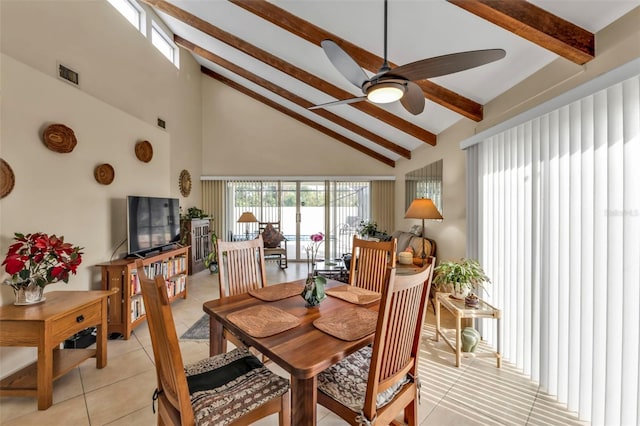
152 223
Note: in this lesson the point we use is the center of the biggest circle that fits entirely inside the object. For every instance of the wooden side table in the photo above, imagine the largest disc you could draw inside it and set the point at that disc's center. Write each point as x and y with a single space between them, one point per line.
45 325
459 310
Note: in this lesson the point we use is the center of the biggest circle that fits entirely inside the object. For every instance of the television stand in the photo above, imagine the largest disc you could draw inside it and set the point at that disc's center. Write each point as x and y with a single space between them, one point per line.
126 308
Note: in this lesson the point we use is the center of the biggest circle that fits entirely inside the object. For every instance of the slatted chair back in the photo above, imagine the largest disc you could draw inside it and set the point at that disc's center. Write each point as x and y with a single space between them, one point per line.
396 346
388 368
369 261
174 403
254 394
240 266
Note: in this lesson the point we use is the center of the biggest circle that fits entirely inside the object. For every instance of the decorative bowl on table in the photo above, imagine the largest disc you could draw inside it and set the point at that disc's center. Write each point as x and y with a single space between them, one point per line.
471 300
405 258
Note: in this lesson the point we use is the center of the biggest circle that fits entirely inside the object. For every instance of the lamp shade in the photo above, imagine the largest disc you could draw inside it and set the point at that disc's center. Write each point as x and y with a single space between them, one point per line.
247 217
422 208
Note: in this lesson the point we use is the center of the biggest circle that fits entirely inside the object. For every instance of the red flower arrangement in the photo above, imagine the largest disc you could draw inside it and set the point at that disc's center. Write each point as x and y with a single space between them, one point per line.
41 259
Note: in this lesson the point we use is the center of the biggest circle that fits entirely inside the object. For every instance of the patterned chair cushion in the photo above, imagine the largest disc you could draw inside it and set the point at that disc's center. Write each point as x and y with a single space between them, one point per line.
227 386
271 236
346 381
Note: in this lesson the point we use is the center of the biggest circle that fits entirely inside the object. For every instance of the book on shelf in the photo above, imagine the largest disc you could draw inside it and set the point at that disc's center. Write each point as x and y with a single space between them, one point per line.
134 283
137 308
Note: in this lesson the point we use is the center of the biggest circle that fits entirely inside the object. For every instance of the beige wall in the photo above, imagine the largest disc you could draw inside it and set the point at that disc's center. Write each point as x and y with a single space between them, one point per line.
243 137
125 85
450 233
117 65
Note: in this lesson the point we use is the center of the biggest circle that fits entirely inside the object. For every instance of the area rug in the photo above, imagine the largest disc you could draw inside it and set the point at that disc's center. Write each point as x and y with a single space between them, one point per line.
198 331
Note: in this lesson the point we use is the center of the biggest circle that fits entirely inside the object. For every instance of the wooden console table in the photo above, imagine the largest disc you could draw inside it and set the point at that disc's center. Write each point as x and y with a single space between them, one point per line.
45 325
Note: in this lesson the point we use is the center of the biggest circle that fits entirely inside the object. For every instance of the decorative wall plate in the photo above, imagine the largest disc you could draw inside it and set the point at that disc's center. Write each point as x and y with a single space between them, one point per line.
59 138
7 179
144 151
184 182
104 174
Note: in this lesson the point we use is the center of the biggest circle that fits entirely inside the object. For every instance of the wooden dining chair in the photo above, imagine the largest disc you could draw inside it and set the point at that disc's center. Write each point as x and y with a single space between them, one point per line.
240 269
379 382
233 388
369 261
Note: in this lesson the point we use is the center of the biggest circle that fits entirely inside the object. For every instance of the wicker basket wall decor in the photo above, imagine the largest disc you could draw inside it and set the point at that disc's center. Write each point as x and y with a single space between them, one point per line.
144 151
59 138
104 174
7 178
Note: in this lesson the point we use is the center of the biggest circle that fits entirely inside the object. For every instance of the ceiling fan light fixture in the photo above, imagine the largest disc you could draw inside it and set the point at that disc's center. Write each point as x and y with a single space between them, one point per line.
386 92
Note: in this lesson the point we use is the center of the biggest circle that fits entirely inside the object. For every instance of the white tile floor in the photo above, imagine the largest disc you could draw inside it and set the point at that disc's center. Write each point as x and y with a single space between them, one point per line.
477 393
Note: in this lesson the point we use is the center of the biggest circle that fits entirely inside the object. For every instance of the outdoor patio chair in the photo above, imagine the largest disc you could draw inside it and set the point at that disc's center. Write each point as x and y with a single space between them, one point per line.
275 243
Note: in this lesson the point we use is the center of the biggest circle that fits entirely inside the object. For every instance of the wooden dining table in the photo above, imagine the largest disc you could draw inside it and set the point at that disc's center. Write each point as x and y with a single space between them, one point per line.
303 351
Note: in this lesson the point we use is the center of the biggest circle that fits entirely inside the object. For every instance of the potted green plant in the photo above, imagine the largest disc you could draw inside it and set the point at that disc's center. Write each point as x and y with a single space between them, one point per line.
367 228
195 213
211 259
460 278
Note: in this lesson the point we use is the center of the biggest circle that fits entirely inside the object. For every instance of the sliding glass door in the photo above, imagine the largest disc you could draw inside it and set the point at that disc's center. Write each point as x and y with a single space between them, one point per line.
311 216
303 208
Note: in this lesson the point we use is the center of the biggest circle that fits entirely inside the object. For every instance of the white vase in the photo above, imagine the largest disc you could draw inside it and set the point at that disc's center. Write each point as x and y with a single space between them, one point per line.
459 293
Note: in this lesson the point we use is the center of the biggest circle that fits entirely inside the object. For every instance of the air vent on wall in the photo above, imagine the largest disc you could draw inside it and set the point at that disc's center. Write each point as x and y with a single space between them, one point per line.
68 75
162 123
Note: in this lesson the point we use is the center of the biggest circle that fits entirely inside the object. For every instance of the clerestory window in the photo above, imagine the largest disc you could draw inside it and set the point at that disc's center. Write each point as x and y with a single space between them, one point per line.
131 11
163 43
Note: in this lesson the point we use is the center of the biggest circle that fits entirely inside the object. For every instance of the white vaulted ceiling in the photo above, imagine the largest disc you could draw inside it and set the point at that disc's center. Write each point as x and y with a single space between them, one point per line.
416 30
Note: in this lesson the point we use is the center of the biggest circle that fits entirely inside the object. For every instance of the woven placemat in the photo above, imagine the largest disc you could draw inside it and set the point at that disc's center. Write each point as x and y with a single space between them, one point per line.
276 292
349 324
263 321
352 294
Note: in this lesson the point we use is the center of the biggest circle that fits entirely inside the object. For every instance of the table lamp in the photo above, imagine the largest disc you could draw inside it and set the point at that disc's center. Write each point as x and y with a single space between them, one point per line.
422 208
247 217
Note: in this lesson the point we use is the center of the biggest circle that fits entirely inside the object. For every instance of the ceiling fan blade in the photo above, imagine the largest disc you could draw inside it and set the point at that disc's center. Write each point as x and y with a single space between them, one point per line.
344 63
413 99
342 102
446 64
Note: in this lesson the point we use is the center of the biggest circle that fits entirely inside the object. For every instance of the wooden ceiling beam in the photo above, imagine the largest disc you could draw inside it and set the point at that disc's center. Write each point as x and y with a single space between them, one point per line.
292 97
293 71
365 59
371 153
536 25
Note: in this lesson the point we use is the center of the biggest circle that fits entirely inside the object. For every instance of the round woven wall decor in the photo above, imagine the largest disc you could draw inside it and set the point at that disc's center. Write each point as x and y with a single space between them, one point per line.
59 138
184 182
104 173
7 179
144 151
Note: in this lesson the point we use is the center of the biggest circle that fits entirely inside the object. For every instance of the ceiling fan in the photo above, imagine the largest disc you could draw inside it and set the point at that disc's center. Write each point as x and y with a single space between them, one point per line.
390 85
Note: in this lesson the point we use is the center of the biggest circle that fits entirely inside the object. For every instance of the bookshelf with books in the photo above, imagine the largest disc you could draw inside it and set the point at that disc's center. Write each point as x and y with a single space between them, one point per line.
126 307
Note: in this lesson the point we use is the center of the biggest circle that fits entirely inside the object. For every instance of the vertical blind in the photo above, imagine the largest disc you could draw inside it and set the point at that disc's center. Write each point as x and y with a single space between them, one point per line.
554 217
